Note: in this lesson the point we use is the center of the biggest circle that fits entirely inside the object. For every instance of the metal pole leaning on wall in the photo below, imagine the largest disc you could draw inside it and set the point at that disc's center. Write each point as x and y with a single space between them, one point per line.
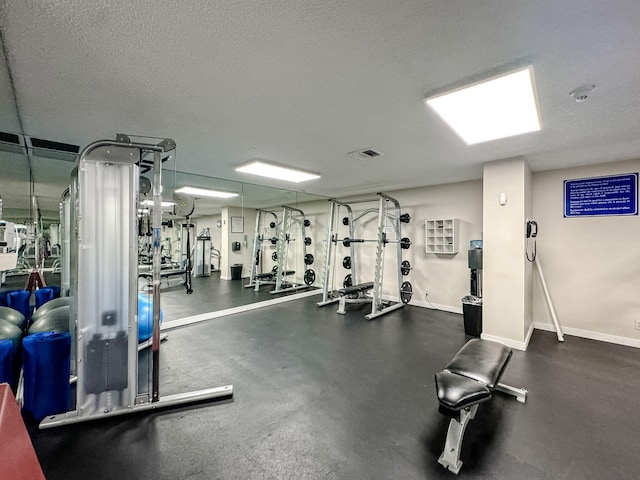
547 296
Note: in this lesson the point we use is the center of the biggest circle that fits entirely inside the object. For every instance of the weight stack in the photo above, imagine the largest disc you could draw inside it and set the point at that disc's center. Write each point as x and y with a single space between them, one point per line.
46 374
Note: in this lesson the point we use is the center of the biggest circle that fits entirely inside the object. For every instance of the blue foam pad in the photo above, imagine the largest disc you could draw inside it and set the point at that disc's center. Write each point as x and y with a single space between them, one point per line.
46 374
6 361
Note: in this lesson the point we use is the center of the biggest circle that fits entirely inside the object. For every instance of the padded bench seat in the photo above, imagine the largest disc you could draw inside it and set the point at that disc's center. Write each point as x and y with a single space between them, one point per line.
271 275
163 273
469 379
363 287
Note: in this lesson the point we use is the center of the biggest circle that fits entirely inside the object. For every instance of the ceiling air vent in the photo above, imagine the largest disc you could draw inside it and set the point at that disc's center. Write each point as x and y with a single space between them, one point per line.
366 154
51 149
11 142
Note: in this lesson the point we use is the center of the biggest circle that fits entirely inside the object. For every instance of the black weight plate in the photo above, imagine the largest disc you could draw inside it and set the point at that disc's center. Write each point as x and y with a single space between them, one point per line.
273 240
348 281
307 241
346 263
405 218
309 276
308 259
272 224
274 256
406 292
345 220
405 242
307 223
405 267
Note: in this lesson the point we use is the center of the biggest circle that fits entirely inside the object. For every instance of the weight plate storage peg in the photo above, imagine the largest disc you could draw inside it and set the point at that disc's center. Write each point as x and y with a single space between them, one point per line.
274 256
307 241
405 243
406 292
346 263
306 223
308 259
309 276
348 281
405 267
345 220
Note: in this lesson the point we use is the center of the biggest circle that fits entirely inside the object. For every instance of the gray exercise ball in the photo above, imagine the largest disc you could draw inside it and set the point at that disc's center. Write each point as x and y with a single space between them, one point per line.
50 305
13 316
9 331
56 320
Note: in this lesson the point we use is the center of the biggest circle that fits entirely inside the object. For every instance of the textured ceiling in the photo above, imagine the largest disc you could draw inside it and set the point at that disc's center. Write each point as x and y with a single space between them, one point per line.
304 82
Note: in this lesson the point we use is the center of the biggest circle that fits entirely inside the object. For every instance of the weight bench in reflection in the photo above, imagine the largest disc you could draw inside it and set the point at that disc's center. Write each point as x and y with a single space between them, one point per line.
469 379
164 275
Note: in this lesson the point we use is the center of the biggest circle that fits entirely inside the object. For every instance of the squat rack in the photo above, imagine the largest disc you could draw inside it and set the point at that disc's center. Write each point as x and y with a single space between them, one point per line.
386 220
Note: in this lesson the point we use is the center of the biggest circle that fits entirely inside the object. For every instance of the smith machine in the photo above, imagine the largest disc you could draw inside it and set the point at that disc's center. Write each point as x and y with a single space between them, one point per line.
103 289
388 232
293 221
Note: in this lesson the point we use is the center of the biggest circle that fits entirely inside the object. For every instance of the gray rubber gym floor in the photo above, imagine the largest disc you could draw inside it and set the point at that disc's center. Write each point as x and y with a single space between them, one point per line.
324 396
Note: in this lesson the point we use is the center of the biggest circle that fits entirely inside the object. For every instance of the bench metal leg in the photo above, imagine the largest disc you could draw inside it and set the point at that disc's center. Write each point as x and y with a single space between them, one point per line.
342 306
519 393
450 458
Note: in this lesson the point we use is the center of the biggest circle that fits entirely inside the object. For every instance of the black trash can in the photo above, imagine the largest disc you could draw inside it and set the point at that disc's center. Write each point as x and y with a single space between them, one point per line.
472 313
236 271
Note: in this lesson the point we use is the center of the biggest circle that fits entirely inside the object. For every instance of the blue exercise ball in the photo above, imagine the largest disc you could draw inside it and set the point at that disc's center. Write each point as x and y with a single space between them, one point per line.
145 317
13 316
11 332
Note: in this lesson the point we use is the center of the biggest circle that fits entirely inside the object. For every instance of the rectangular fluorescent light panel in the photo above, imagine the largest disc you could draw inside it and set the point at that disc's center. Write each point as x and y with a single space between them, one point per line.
500 107
149 203
204 192
279 173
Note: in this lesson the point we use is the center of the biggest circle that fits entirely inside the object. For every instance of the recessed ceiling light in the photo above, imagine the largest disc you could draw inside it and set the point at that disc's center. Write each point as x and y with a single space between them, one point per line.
264 169
204 192
500 107
149 203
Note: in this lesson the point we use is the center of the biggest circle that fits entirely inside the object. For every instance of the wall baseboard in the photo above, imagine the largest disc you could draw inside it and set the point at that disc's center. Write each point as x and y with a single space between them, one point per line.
603 337
507 341
436 306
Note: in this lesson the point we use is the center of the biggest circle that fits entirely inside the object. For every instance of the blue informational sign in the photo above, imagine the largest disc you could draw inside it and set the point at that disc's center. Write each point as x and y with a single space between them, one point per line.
601 196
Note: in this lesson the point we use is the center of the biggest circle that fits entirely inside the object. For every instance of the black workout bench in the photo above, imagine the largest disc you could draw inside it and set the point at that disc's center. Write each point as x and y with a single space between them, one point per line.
359 290
469 379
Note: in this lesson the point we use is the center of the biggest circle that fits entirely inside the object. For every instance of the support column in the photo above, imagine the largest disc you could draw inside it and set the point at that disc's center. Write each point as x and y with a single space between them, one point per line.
507 275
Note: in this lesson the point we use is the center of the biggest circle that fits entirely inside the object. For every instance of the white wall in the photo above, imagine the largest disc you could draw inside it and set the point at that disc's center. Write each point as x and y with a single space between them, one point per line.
591 264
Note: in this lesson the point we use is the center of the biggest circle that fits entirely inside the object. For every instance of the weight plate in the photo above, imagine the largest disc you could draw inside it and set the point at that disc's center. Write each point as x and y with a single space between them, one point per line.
308 259
346 263
348 281
274 240
274 270
307 241
405 243
346 242
405 267
274 256
309 276
145 185
405 218
307 223
345 220
406 292
272 224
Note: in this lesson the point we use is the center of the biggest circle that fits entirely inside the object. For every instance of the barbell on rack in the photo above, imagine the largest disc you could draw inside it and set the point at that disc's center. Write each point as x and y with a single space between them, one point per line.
405 242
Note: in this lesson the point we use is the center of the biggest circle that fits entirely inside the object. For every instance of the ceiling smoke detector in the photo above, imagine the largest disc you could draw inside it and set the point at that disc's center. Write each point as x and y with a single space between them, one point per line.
581 94
366 154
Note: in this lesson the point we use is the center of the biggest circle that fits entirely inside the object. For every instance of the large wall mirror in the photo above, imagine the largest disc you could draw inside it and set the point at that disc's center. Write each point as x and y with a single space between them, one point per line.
220 233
